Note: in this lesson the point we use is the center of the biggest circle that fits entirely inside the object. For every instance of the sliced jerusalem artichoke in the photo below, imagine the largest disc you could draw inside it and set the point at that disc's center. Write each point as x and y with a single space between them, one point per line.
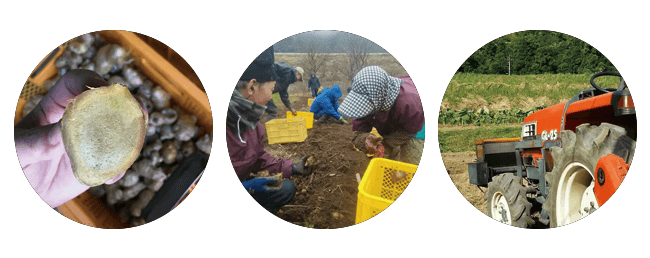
103 130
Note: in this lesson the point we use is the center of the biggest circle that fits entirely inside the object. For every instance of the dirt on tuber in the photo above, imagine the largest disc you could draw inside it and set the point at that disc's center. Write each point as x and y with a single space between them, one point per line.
277 177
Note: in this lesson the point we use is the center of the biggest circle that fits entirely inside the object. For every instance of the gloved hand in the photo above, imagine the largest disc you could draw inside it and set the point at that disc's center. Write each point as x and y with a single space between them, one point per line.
39 145
294 112
373 142
260 184
343 120
367 142
373 145
379 151
303 166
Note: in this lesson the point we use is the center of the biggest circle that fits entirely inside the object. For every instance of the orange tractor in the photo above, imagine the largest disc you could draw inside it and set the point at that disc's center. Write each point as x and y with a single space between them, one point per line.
570 158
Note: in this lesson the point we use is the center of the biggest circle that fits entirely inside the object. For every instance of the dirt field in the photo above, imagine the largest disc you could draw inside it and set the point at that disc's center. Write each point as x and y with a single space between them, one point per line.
332 188
456 165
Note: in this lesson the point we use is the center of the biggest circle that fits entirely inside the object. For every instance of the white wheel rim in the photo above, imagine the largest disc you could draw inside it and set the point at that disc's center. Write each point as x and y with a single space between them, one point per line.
575 197
500 209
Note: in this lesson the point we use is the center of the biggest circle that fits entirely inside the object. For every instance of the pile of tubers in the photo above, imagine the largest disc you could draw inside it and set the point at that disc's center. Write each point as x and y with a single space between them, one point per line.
172 134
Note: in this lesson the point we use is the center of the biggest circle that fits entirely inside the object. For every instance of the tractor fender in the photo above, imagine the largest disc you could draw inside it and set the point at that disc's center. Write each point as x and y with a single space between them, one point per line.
610 172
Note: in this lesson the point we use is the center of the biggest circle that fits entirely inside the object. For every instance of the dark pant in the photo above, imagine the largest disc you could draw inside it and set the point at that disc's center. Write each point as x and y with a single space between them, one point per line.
275 200
271 111
324 118
314 91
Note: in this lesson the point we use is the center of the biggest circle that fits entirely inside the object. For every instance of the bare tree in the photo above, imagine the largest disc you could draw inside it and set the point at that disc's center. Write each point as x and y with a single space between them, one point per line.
357 49
315 55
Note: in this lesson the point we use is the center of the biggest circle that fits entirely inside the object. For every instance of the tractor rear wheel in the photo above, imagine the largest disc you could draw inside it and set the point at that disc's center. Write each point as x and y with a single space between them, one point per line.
571 181
507 203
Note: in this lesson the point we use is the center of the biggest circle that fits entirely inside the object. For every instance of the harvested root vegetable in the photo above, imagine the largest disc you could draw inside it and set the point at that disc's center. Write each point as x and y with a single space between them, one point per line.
359 142
160 98
397 176
310 161
109 57
94 130
364 139
265 173
143 199
368 143
185 127
204 143
169 152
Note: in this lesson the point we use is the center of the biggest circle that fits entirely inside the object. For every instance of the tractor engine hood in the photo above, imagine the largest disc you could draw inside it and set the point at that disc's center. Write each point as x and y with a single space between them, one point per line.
546 120
549 122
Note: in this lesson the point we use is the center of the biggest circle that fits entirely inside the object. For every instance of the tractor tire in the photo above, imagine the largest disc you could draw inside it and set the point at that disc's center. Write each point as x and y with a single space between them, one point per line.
507 203
571 180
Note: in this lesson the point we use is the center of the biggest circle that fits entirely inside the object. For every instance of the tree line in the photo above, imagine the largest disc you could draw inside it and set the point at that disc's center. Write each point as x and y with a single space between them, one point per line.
536 52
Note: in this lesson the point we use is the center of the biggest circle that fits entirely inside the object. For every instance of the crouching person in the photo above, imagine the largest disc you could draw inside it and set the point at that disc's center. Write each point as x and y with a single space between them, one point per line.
244 137
325 105
391 105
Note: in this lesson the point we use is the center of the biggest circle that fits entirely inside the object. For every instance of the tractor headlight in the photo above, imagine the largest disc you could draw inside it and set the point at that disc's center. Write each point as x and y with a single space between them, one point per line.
479 152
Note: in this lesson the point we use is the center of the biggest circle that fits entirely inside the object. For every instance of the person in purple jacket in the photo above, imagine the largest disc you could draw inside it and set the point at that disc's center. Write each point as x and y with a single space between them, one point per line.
391 105
244 137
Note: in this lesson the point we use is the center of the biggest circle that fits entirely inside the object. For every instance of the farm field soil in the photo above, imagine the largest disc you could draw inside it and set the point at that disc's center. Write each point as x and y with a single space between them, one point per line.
456 165
332 187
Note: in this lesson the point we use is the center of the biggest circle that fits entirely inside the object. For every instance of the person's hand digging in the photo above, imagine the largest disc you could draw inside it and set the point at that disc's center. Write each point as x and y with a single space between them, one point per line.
304 166
372 143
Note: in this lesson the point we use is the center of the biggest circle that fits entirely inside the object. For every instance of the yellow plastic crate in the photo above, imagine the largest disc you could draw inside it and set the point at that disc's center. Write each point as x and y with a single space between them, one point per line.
383 182
307 115
286 130
309 101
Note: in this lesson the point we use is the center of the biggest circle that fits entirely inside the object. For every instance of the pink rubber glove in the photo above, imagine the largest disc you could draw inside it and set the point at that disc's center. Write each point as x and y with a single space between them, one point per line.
39 145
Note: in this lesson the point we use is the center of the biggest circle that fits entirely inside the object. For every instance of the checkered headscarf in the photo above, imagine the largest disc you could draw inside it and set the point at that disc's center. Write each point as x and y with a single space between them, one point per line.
373 91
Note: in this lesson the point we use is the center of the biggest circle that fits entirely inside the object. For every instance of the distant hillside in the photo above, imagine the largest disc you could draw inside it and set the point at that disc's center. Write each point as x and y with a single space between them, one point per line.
536 52
328 41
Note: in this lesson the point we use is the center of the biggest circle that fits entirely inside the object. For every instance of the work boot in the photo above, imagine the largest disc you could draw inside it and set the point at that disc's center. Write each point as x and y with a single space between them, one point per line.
323 119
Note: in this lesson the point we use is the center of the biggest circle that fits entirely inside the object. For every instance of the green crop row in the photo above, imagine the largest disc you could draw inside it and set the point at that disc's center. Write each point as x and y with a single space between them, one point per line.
484 116
463 140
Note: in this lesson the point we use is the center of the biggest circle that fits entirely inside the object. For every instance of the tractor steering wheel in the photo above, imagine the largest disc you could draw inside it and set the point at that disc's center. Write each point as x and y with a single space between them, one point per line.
606 90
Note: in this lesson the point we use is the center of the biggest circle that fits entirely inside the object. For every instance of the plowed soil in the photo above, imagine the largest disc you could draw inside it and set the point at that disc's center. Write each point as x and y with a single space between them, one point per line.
328 197
456 165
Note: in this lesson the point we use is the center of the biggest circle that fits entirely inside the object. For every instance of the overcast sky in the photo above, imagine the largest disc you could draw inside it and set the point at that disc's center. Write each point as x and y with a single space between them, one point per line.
333 41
